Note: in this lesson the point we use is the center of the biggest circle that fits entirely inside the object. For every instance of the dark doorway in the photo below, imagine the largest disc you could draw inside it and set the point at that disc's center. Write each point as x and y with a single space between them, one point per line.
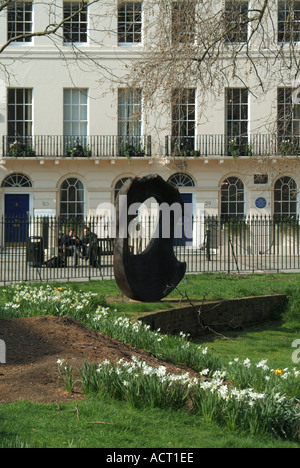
16 218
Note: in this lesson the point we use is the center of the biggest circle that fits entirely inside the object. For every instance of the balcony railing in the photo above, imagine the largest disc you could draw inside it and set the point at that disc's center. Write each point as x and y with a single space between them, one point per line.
113 146
58 146
222 145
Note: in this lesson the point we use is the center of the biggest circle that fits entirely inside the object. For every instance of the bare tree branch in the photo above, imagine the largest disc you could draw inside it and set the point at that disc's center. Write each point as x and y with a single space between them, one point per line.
201 44
50 30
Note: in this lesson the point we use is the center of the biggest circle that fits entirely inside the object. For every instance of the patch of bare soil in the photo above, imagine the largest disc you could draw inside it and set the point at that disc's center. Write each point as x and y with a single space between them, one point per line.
33 346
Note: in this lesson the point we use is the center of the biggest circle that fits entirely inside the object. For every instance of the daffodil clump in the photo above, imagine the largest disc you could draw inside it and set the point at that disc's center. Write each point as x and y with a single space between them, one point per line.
264 378
214 398
30 300
172 348
245 396
241 395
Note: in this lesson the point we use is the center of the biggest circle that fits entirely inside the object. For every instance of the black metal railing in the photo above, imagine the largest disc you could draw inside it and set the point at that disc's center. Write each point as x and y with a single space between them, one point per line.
97 146
223 145
114 146
33 248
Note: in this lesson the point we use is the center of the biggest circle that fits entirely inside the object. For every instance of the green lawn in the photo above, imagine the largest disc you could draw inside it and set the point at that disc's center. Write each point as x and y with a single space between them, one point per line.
215 285
111 424
60 425
211 286
272 341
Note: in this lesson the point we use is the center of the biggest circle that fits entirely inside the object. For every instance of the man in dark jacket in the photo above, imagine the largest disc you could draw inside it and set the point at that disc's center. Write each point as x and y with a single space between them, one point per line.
72 245
89 243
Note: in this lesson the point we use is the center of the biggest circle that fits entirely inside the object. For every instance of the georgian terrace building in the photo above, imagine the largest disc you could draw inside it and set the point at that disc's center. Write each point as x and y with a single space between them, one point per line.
71 134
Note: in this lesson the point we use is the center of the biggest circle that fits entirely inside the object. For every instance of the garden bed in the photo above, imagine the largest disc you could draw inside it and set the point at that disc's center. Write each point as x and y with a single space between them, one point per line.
33 346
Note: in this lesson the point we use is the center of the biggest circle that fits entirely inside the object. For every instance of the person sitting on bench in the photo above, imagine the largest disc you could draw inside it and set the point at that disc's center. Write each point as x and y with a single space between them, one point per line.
89 244
72 245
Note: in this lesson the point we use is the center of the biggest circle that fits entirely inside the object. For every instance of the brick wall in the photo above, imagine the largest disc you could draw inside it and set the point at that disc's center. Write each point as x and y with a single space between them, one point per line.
225 315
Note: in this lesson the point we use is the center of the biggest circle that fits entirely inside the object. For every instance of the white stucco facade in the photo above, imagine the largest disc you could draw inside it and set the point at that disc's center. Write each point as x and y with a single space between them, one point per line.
48 67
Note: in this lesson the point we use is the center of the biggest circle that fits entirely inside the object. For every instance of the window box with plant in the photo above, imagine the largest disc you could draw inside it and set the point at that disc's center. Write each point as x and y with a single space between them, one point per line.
131 150
185 152
20 150
78 151
290 147
236 149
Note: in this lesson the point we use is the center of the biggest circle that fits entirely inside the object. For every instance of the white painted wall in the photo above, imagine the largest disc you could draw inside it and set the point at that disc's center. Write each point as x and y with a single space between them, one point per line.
48 67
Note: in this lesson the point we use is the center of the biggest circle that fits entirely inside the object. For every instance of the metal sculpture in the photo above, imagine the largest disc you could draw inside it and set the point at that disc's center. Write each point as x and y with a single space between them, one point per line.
152 274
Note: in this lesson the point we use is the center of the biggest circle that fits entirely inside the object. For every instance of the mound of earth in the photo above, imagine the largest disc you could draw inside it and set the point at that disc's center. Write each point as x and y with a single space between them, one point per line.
33 346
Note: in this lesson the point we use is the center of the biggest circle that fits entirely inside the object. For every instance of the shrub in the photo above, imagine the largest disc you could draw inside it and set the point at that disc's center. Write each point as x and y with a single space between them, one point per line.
292 313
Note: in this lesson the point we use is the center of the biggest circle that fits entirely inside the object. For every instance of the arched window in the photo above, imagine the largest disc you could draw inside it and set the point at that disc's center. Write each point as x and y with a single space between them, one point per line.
119 185
181 180
232 198
285 198
72 198
16 180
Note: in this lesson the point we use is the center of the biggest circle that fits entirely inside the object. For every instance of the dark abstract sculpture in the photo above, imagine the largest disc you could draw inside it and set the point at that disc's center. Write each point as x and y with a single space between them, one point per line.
154 273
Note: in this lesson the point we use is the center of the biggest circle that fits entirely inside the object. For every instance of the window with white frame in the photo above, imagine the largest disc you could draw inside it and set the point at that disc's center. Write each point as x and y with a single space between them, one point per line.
76 25
181 180
236 21
129 112
288 116
289 21
72 199
19 21
232 198
119 184
183 120
183 22
237 121
130 122
130 23
17 180
76 112
285 198
19 114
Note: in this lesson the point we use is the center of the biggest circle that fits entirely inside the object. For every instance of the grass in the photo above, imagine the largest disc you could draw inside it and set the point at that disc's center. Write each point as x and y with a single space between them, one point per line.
212 286
216 285
105 423
271 340
36 425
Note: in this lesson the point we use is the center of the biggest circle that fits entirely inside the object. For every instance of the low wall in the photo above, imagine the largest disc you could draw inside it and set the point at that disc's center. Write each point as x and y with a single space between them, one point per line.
219 316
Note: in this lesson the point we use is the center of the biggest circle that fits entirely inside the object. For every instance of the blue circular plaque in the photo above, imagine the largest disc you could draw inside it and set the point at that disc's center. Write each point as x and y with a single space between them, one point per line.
260 203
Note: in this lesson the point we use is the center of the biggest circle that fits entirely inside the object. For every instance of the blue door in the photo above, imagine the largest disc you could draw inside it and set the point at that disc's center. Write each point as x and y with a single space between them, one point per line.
184 229
16 218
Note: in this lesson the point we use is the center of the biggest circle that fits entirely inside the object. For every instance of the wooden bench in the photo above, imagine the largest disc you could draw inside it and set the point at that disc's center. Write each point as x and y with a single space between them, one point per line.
63 251
105 248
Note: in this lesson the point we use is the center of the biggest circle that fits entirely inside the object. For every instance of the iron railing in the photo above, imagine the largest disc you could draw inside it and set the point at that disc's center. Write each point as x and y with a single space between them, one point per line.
223 145
97 146
249 245
114 146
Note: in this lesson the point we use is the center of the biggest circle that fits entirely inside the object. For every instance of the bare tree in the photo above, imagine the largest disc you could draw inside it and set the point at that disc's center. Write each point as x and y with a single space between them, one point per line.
209 45
61 23
54 27
213 44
